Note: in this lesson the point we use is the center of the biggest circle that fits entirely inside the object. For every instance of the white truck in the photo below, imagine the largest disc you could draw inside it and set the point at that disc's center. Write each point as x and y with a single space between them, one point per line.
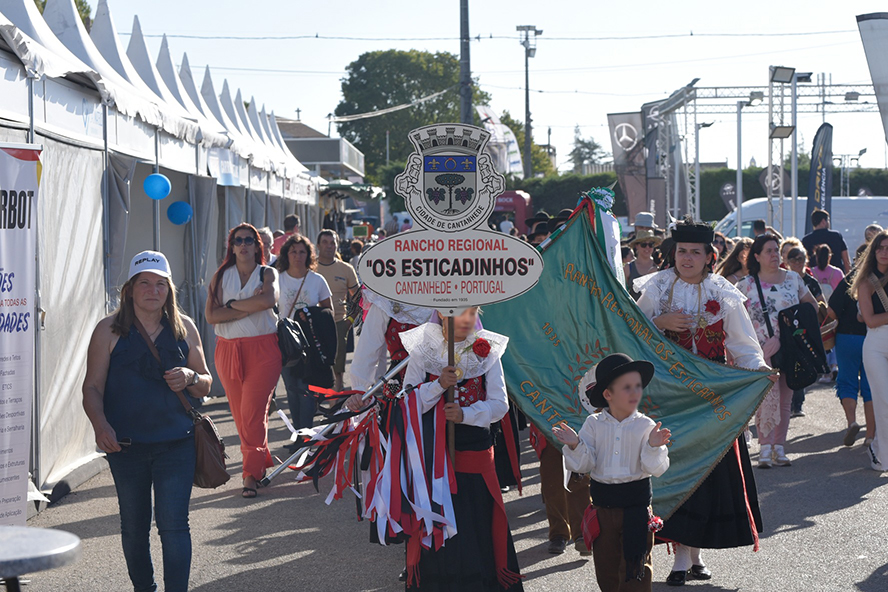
850 216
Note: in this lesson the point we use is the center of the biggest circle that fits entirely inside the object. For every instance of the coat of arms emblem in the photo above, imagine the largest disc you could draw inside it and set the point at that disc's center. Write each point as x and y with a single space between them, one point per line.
449 183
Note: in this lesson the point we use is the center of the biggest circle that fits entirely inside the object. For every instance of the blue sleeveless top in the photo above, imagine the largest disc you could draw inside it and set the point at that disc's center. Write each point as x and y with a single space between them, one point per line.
138 403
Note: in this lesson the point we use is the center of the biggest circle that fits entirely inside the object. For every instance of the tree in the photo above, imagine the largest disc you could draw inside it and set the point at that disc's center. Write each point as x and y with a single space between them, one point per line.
541 161
381 79
585 151
83 8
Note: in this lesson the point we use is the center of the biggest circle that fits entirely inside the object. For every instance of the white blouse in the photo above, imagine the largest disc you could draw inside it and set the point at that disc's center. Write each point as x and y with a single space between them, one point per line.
612 451
259 323
481 413
368 363
740 340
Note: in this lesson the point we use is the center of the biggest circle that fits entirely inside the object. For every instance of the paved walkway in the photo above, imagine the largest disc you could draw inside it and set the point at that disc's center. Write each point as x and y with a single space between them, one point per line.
825 518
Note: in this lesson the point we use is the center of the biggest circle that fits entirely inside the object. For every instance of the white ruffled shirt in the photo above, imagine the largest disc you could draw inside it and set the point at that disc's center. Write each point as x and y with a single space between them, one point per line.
428 355
740 339
368 363
612 451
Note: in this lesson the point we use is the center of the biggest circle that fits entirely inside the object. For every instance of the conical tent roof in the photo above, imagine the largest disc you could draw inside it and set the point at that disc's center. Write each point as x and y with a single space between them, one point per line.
213 133
63 20
58 60
137 52
253 116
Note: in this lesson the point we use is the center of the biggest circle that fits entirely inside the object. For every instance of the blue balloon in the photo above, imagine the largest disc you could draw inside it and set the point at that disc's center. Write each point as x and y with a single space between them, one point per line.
179 212
157 186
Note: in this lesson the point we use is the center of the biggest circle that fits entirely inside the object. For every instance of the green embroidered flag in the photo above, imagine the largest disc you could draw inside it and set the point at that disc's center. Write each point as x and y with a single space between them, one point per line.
578 314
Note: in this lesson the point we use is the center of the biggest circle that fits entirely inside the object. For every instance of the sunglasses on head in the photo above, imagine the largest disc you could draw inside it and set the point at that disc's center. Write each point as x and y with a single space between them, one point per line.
244 240
646 245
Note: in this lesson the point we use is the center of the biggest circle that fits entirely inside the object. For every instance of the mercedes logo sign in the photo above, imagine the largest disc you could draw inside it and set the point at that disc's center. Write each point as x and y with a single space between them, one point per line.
626 136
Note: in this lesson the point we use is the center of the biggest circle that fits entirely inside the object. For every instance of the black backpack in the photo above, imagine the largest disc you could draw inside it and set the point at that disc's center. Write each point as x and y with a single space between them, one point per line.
801 358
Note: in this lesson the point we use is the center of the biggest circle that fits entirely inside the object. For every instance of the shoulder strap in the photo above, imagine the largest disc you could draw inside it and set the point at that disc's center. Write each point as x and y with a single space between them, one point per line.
879 288
765 313
295 300
153 348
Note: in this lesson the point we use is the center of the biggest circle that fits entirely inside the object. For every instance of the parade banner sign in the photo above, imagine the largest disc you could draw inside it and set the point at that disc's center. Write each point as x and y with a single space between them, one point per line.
820 175
578 314
19 177
445 271
450 188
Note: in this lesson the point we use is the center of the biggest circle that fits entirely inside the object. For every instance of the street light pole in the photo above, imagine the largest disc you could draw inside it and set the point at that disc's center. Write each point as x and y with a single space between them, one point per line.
697 128
738 190
465 67
529 43
528 163
794 167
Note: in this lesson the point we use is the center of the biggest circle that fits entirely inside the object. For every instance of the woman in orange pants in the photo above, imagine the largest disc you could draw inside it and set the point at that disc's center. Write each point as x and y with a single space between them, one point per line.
243 293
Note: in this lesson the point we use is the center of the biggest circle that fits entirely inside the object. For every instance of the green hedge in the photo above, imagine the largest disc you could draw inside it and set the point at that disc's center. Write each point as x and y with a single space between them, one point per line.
562 191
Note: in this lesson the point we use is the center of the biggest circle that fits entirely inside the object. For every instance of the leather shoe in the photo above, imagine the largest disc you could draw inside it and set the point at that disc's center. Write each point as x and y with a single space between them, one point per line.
557 546
700 572
676 578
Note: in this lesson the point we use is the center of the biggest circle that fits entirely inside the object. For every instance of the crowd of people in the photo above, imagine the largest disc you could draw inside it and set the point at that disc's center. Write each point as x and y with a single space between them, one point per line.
674 275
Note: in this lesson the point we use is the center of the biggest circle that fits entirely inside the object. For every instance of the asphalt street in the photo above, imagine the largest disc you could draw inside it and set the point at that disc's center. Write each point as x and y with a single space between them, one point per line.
825 528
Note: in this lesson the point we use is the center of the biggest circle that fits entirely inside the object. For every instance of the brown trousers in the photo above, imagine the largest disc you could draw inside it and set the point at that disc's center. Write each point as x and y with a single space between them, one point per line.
564 509
607 554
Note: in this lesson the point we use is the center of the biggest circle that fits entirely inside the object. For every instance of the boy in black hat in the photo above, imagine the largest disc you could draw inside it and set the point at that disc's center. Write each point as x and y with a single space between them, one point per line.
621 449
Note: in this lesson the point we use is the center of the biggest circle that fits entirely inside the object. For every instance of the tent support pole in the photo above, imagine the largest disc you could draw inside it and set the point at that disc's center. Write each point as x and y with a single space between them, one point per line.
31 109
106 214
155 204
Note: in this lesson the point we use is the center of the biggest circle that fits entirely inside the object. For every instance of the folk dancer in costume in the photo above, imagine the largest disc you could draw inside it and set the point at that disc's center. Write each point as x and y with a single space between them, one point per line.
380 333
621 483
702 312
470 548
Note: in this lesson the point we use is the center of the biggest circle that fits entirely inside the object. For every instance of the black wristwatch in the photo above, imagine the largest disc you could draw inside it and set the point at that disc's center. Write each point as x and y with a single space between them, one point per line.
195 380
228 304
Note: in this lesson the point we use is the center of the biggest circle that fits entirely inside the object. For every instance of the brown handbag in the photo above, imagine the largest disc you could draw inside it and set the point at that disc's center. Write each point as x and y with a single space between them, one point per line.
209 468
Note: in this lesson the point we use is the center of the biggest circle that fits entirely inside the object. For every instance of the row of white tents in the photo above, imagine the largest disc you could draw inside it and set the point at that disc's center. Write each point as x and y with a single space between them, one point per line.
106 118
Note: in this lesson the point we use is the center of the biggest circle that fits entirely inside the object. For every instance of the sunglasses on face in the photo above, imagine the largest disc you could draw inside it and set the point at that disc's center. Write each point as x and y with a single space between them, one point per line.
646 245
719 242
241 240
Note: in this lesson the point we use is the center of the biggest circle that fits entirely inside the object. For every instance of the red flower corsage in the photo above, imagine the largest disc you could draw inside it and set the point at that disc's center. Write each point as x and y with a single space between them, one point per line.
655 523
712 307
481 347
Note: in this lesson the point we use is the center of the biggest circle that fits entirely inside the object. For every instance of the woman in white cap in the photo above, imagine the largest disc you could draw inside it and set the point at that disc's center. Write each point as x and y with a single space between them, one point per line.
139 421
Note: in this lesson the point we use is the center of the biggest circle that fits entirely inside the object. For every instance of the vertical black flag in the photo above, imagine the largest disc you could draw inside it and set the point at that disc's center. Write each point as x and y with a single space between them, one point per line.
820 177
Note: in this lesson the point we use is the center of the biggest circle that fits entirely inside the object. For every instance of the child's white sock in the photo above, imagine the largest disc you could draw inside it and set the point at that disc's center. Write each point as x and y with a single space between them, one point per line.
696 556
682 558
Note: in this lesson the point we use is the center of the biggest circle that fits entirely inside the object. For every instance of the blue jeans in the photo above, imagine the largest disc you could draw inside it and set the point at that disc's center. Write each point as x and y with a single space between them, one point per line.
852 377
169 468
302 403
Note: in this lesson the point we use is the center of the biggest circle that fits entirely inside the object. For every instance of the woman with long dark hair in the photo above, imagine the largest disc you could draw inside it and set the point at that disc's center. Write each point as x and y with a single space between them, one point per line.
781 289
243 293
140 423
733 267
869 289
301 287
703 313
828 276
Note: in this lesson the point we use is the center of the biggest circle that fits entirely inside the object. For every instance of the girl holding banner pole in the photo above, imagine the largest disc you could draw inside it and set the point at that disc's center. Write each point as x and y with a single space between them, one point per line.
702 312
472 549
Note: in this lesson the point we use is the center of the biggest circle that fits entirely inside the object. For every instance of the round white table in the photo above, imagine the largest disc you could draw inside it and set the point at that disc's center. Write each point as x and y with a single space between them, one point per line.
24 550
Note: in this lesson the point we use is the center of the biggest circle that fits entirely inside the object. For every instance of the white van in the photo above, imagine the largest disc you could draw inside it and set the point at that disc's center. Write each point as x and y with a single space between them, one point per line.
850 216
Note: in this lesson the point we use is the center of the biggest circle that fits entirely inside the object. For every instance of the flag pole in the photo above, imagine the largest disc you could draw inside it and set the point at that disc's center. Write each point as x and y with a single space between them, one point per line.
451 427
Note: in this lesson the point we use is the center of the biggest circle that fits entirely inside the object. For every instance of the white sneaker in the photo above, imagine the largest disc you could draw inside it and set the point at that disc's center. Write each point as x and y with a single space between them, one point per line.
780 457
874 462
765 457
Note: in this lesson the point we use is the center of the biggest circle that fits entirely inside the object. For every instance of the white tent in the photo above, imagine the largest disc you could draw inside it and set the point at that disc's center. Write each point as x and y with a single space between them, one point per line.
106 119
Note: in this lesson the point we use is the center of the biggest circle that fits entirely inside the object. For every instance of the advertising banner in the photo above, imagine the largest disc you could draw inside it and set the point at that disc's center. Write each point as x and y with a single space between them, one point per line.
820 176
627 144
19 179
579 313
874 35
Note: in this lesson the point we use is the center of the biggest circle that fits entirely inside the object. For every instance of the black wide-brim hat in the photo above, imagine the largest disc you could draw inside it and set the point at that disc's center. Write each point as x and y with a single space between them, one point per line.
540 216
611 368
693 233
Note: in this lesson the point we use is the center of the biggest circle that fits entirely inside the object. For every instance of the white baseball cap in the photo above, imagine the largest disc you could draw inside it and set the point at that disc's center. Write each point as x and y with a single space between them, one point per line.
151 261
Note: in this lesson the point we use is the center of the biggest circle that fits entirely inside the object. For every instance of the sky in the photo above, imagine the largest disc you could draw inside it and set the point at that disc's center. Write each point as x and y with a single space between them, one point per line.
582 80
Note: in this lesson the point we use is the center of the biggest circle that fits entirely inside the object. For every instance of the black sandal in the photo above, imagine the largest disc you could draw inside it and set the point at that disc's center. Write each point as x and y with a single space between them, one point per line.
249 493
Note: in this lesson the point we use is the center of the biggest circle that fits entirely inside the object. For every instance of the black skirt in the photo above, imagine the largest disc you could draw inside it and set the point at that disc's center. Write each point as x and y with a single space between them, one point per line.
465 563
505 472
715 516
